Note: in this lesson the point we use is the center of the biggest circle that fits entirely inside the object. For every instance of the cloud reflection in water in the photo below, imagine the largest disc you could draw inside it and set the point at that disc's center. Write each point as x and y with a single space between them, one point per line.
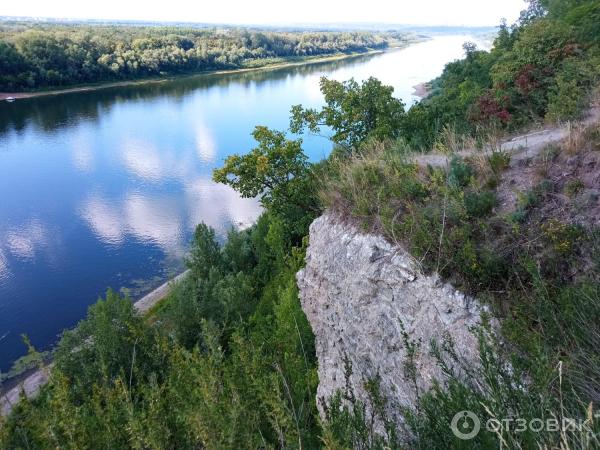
168 220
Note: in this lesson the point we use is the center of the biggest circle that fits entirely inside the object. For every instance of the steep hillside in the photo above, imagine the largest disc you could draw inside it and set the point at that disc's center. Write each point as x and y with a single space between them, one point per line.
459 284
518 230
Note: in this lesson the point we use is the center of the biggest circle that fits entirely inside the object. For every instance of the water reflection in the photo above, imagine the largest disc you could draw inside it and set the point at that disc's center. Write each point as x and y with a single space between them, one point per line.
213 203
83 155
48 114
27 242
104 220
163 220
145 161
205 143
105 188
27 239
4 271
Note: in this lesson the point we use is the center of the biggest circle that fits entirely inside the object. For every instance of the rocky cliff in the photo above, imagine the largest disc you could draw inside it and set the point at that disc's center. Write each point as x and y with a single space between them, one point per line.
365 299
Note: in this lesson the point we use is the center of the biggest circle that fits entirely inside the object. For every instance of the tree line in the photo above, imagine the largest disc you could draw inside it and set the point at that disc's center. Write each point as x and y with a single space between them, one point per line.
36 56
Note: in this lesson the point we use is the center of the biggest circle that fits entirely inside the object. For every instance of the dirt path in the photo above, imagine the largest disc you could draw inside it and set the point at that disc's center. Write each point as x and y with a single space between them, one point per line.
32 384
519 147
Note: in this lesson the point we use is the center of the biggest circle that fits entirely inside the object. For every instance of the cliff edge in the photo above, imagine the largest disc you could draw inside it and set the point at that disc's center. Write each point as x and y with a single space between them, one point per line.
366 299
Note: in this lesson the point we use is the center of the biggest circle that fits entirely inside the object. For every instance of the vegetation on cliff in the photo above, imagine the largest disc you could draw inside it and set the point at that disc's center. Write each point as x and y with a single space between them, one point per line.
228 360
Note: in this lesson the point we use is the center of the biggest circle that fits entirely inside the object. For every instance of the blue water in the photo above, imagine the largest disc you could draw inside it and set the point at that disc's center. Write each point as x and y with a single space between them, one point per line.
104 189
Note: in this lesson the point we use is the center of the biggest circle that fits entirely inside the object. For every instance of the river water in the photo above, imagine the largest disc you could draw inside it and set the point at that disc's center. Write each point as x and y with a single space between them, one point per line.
104 188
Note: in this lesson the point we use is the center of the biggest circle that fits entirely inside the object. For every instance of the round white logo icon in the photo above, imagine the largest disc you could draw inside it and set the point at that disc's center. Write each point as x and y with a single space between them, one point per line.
465 425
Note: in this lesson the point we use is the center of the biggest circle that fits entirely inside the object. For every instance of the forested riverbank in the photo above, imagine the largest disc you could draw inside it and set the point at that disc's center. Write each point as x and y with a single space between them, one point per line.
37 56
263 64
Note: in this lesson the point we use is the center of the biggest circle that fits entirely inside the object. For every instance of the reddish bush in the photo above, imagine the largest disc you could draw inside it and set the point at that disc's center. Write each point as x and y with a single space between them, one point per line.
488 108
526 80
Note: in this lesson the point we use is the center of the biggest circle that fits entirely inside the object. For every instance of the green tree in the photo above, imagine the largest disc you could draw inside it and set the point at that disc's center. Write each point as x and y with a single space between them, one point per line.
38 55
278 172
205 252
353 111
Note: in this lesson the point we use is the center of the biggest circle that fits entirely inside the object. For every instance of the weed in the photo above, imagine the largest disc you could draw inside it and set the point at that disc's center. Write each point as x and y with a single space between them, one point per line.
499 161
574 187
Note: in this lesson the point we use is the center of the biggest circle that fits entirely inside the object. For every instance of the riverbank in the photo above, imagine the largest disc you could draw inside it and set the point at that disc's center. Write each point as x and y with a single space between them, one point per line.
422 90
273 66
150 300
32 380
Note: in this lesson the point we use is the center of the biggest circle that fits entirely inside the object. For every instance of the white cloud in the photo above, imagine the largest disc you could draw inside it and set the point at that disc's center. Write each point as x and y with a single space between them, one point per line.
205 143
164 220
155 220
82 154
144 160
24 241
104 220
150 219
30 240
4 269
218 204
436 12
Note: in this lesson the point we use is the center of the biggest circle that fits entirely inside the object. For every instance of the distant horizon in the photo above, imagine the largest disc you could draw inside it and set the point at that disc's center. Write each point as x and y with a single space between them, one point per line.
459 13
349 25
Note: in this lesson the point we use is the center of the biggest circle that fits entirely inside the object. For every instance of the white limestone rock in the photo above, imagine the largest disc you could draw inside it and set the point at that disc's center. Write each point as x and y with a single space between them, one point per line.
356 290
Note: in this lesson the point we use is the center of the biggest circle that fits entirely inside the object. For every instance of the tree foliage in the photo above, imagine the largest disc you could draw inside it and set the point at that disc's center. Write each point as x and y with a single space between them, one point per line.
277 171
541 68
353 111
33 56
228 361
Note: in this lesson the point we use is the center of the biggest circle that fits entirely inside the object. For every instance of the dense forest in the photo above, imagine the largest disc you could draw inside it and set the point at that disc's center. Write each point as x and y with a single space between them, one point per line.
34 56
227 361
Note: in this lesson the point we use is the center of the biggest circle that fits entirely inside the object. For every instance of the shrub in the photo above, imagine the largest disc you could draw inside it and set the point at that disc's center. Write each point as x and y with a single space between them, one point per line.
460 173
499 161
574 187
563 237
480 204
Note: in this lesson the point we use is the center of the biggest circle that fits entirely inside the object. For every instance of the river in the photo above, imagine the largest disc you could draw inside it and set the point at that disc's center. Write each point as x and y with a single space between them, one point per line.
104 188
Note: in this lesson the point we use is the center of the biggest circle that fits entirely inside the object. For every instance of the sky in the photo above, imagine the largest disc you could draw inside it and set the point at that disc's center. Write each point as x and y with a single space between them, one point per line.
277 12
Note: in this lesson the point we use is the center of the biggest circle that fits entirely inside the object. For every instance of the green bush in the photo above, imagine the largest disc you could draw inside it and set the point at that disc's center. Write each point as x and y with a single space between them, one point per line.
569 93
480 204
499 161
460 173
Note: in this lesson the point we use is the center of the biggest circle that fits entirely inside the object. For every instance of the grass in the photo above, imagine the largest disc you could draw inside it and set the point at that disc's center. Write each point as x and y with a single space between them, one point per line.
574 187
536 269
160 310
25 363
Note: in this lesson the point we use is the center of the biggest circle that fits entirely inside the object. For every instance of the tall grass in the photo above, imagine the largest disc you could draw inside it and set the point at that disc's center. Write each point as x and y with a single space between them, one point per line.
539 275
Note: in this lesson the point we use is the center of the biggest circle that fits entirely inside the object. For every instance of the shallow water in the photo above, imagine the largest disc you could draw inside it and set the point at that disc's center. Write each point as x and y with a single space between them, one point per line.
104 188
